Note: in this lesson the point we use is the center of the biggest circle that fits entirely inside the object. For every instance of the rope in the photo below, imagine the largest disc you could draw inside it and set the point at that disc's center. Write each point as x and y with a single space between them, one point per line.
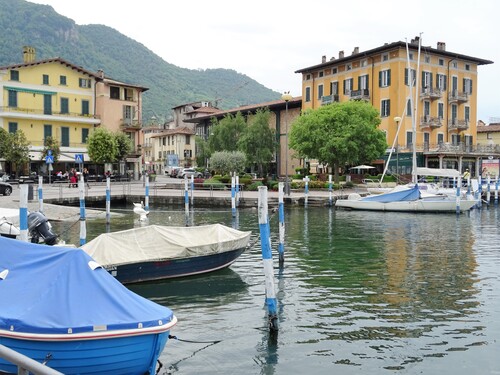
171 337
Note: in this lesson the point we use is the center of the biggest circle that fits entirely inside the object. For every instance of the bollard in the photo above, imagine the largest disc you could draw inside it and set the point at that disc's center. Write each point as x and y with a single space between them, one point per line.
83 228
237 190
281 214
40 194
146 198
496 189
108 200
480 192
330 188
306 189
192 190
186 196
23 212
488 192
459 184
267 259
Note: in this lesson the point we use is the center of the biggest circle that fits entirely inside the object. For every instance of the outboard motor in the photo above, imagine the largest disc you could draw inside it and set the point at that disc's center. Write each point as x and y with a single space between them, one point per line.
39 227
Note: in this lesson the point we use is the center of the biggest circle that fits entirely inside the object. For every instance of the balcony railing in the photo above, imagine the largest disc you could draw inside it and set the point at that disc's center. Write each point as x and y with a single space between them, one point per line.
455 124
327 99
362 94
458 96
430 122
30 111
431 93
130 124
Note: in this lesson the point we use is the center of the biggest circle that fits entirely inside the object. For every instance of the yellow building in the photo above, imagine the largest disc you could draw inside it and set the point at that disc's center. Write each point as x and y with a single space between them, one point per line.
446 104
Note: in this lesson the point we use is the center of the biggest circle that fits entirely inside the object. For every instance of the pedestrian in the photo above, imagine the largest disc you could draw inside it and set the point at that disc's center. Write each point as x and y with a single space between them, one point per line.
86 177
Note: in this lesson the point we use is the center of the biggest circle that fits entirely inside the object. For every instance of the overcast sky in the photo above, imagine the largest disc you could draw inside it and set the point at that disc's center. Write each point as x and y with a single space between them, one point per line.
269 40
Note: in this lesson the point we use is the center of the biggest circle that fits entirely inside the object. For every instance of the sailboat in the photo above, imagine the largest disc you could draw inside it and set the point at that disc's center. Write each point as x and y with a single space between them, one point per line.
409 198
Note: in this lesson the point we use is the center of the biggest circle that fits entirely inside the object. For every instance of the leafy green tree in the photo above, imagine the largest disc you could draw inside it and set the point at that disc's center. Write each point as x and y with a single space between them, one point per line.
202 151
51 144
226 132
16 150
124 145
102 146
339 134
258 141
225 162
4 142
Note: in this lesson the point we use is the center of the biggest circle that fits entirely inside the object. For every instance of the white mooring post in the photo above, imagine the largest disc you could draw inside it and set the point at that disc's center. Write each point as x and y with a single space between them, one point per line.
306 189
267 259
233 194
83 228
488 190
146 198
186 196
40 194
237 190
281 213
459 184
330 188
108 200
23 212
192 190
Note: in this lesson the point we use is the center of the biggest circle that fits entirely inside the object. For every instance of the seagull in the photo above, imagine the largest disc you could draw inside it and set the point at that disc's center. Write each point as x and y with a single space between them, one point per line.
139 210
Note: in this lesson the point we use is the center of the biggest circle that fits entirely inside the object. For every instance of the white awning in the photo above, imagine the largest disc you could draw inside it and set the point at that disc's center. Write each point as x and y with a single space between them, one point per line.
64 157
437 172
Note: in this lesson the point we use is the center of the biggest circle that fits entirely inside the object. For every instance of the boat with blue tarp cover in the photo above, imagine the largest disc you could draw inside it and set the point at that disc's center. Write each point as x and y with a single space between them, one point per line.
65 310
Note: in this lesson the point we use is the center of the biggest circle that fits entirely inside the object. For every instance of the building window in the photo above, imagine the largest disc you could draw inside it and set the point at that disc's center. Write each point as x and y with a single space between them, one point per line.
467 113
14 75
320 91
363 82
85 107
467 66
62 80
64 136
114 92
441 62
321 74
334 70
385 57
188 139
347 86
441 81
13 98
47 131
47 104
409 139
12 127
441 110
384 78
454 110
468 85
427 138
426 81
64 105
489 136
308 77
440 138
348 66
427 108
84 83
45 79
455 139
128 114
427 59
454 64
334 88
308 94
364 62
385 108
85 135
410 55
413 77
408 108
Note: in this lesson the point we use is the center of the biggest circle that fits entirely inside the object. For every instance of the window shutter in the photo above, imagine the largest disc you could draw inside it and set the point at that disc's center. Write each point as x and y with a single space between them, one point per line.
470 88
406 76
430 80
359 83
380 79
388 107
423 79
388 77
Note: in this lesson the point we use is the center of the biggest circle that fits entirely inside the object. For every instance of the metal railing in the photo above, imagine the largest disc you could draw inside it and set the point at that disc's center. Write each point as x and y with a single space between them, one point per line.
24 364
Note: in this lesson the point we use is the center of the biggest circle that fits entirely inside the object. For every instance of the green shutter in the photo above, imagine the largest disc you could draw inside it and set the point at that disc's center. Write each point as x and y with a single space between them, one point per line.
380 79
388 77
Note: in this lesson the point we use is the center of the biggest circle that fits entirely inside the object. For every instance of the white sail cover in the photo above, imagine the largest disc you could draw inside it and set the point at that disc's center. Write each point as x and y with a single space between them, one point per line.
156 242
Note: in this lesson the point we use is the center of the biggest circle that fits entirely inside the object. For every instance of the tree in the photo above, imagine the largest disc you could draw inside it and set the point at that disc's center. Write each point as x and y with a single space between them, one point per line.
4 142
225 162
226 132
16 149
202 151
258 141
339 134
102 146
124 145
51 144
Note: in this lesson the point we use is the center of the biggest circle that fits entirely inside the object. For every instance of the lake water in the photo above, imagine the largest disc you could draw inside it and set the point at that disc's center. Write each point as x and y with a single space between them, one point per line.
360 293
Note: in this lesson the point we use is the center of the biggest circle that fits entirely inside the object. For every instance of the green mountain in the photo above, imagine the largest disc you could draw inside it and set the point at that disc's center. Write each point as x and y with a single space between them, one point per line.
97 47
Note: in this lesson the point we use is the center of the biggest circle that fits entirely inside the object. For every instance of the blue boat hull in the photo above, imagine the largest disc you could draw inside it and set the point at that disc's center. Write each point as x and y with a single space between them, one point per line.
114 356
170 268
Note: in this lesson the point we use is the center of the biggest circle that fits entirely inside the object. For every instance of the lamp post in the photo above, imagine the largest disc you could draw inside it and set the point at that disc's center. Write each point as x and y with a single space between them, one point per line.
398 120
286 97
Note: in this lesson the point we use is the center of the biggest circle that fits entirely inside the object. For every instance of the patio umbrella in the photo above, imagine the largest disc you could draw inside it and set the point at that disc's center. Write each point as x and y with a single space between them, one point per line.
363 167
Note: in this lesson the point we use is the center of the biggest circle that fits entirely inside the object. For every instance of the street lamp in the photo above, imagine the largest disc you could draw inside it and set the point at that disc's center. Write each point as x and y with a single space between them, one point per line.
286 97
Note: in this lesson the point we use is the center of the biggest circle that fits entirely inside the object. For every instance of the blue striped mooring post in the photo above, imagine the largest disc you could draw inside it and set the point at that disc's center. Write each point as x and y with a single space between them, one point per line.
233 194
480 192
459 183
267 259
237 190
146 198
23 212
488 190
186 196
108 200
192 190
83 228
496 189
330 188
40 194
281 214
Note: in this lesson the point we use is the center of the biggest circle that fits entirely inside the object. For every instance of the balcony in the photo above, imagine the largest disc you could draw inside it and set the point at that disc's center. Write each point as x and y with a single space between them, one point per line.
20 112
456 96
327 99
130 124
455 124
363 94
430 122
430 93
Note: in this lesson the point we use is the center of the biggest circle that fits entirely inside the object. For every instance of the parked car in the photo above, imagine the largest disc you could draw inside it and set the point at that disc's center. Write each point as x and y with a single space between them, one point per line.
5 188
188 172
174 171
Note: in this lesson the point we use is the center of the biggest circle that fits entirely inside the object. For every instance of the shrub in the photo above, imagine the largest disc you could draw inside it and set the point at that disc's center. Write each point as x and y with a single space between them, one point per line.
245 180
214 184
349 184
254 185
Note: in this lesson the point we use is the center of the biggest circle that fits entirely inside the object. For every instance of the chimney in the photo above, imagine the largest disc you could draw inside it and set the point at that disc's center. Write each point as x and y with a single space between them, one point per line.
100 73
356 50
29 54
341 54
332 58
441 46
415 41
323 59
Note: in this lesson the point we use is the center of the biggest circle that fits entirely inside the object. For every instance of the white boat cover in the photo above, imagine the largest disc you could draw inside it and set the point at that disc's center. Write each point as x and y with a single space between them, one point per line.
156 242
438 172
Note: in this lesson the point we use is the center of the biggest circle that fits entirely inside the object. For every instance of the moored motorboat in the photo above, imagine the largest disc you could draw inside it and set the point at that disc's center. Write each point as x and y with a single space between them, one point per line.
158 252
63 309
